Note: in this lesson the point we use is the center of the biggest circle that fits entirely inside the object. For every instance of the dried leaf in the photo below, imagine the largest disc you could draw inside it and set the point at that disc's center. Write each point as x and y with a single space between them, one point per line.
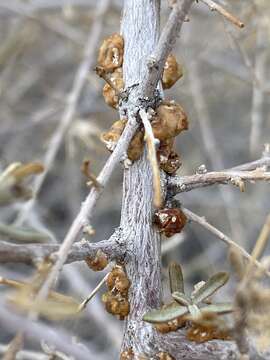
56 307
12 178
211 286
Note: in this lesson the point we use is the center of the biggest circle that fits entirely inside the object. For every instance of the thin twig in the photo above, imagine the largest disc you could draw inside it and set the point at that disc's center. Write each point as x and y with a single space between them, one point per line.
102 73
85 168
165 45
93 293
14 347
72 101
34 253
202 221
152 156
260 245
216 7
187 183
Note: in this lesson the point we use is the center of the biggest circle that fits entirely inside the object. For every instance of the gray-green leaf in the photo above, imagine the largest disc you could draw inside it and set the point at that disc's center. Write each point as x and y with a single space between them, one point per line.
169 313
176 278
181 298
218 308
211 286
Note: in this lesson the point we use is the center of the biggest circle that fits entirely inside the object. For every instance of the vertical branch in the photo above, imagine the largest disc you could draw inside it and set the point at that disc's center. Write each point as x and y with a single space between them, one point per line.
140 28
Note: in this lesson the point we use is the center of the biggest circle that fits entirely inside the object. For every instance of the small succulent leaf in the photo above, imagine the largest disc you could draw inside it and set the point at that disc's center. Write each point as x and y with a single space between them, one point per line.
181 298
218 308
212 285
168 313
194 310
176 278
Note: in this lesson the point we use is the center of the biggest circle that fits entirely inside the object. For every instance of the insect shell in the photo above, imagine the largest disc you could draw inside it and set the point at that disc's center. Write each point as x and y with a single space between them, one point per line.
170 221
110 96
98 263
111 53
170 120
118 280
164 356
172 72
127 354
200 333
172 325
111 137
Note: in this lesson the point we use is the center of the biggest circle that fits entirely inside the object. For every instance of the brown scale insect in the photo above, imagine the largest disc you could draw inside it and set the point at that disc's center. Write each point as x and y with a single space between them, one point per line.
170 326
111 137
116 299
116 305
164 356
127 354
110 94
118 279
172 164
99 262
172 72
169 160
136 146
170 120
111 53
170 221
200 333
164 150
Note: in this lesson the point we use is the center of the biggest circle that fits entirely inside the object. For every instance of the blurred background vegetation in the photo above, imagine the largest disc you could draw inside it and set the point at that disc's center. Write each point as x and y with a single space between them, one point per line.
225 91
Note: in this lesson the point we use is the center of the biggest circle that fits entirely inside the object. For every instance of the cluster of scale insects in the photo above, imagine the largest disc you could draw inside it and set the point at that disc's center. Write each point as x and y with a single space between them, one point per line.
168 120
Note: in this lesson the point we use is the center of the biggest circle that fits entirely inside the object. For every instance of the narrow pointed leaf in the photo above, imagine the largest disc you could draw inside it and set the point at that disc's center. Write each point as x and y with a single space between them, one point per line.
169 313
176 278
181 298
211 286
219 308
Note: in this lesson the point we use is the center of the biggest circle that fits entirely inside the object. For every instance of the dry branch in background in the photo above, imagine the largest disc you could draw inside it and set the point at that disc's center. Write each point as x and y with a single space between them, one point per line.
216 7
250 172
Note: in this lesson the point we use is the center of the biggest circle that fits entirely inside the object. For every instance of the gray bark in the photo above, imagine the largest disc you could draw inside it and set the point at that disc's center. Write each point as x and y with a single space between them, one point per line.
140 28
